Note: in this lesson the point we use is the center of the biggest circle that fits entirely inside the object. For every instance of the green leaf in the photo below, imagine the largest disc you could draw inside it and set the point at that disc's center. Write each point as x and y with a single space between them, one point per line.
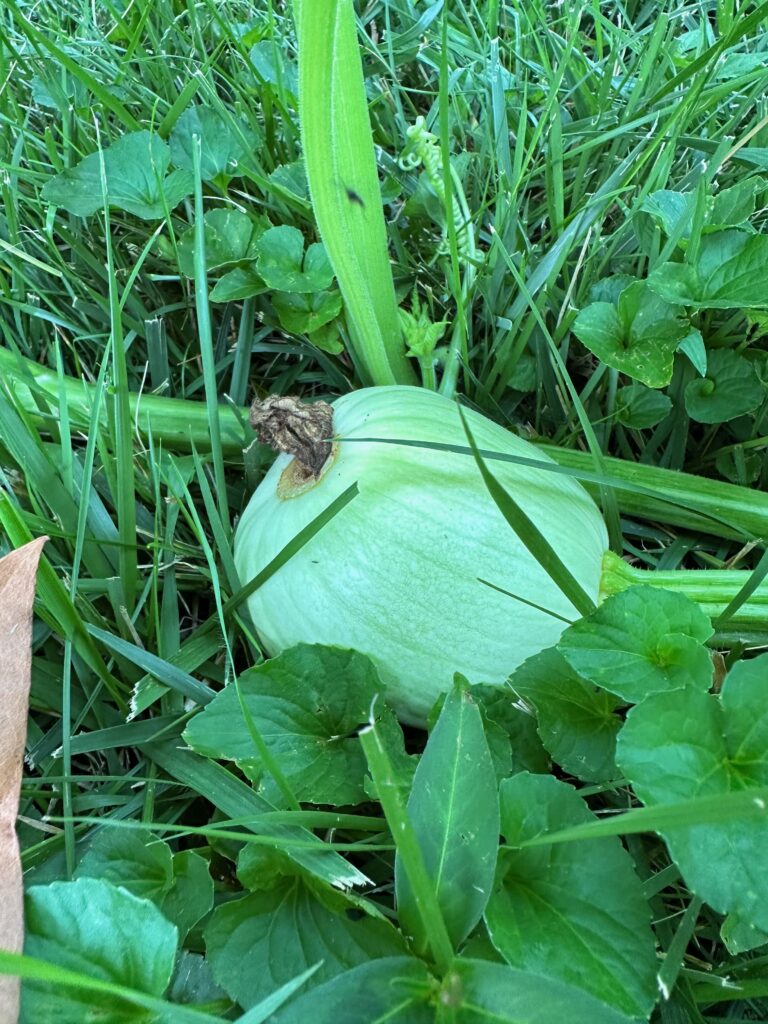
454 811
400 991
137 861
191 895
394 990
637 336
511 733
641 641
307 704
291 179
741 936
259 942
731 207
575 911
729 273
230 237
303 314
240 283
680 745
731 388
327 339
694 348
284 266
135 168
221 148
639 407
101 931
577 722
269 60
344 183
672 210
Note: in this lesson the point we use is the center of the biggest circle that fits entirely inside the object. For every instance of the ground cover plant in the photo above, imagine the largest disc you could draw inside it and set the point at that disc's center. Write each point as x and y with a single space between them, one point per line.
553 213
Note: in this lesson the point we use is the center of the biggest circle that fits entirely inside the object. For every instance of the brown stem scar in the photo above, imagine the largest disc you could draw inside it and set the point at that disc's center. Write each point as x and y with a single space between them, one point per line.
304 431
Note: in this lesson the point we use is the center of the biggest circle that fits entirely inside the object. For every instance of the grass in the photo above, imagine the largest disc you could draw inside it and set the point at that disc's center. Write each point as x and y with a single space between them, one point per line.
551 126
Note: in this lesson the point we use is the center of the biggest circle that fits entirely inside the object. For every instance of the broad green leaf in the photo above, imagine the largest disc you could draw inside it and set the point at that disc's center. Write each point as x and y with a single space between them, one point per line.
285 267
191 895
729 273
639 407
577 722
573 911
685 744
693 346
259 942
741 936
402 765
731 388
394 990
307 704
734 206
490 993
303 314
135 168
454 811
193 982
343 178
640 641
239 283
327 339
292 179
400 991
731 207
511 732
221 148
137 861
269 60
102 931
637 336
230 237
739 465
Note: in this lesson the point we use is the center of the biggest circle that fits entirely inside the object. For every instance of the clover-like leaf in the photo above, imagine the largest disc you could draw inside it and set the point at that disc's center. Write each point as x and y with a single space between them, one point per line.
637 336
577 722
638 407
640 641
284 265
230 238
728 273
238 283
268 58
307 704
135 169
220 147
574 912
305 313
686 744
731 388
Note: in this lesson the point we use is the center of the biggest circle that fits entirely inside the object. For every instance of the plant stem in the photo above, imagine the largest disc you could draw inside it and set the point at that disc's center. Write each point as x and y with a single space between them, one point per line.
678 499
712 589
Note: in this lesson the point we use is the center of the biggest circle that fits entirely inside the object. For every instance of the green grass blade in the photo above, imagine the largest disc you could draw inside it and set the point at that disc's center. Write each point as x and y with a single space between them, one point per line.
344 184
526 530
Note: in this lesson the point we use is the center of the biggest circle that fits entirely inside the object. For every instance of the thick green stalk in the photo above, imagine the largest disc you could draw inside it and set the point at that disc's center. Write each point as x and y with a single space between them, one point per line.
712 589
344 185
663 495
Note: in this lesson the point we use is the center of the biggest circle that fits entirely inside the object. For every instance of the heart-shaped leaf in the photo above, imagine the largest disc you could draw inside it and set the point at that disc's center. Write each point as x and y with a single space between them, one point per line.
220 147
729 272
731 388
284 265
641 641
685 744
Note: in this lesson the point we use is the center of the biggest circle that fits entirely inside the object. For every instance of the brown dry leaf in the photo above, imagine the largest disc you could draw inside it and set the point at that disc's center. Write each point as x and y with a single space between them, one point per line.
17 595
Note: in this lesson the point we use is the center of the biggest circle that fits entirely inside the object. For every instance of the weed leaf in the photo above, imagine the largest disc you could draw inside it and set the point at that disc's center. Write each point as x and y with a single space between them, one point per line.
685 744
576 911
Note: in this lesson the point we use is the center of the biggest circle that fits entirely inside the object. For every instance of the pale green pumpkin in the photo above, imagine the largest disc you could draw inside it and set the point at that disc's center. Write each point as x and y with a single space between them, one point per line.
396 573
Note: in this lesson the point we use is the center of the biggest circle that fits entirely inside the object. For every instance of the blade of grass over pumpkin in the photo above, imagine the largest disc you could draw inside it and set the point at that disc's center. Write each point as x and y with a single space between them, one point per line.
344 185
304 536
751 584
522 600
526 530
